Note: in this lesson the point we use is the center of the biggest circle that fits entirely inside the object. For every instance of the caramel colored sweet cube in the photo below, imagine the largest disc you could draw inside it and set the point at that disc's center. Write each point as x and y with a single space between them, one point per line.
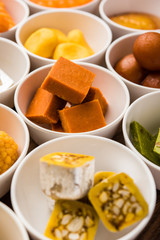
68 81
83 117
95 93
44 107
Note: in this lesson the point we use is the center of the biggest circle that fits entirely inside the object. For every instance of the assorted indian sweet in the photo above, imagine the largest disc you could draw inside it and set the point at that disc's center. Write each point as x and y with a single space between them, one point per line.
145 143
66 100
72 220
62 3
112 197
53 43
8 151
6 20
118 202
65 175
142 65
137 20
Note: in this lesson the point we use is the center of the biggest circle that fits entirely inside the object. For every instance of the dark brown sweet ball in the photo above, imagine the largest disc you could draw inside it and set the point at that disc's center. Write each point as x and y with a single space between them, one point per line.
146 50
129 68
152 80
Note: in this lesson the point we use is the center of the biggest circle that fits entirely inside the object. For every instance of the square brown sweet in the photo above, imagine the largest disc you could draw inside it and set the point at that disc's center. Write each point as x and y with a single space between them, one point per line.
82 117
44 107
68 81
95 93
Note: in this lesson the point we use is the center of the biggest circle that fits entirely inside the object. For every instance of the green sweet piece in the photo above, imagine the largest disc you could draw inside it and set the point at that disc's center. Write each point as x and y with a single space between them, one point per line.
144 142
157 144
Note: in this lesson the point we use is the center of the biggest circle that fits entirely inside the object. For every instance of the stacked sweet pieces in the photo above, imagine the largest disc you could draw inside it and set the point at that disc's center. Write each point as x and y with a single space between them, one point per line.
143 65
66 100
81 197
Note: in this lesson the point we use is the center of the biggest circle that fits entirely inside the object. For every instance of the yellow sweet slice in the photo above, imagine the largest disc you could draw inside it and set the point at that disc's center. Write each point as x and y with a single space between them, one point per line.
77 36
42 42
101 175
70 51
72 220
118 202
66 175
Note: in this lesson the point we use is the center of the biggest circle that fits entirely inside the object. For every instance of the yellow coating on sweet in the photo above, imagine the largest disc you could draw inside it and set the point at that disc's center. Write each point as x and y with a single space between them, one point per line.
136 21
8 151
71 160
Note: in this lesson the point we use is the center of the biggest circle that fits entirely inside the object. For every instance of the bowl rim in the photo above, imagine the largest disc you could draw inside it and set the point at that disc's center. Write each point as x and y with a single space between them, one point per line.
38 235
111 68
26 57
41 8
69 11
45 130
124 128
16 220
105 17
26 145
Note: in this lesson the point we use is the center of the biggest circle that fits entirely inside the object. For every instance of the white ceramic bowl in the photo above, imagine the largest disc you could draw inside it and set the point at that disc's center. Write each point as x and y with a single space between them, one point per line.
108 8
27 197
97 34
113 89
118 49
14 126
19 11
145 111
10 225
16 64
89 7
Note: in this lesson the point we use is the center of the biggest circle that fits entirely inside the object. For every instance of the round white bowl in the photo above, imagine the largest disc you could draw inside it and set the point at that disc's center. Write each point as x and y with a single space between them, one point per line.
10 225
89 7
12 123
19 11
27 198
97 33
145 111
113 89
16 64
108 8
118 49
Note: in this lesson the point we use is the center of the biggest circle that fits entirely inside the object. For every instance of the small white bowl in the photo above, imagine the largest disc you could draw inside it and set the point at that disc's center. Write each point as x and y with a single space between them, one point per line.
19 11
109 156
108 8
14 126
16 64
145 111
113 89
10 225
118 49
89 7
97 33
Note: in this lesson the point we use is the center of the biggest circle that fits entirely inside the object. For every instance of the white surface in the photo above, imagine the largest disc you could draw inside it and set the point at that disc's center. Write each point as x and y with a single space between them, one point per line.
19 12
16 64
118 49
10 226
30 203
144 110
14 126
113 89
108 8
96 32
89 7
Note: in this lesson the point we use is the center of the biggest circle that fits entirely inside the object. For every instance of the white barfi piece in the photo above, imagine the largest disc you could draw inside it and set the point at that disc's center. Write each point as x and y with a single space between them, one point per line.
66 175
